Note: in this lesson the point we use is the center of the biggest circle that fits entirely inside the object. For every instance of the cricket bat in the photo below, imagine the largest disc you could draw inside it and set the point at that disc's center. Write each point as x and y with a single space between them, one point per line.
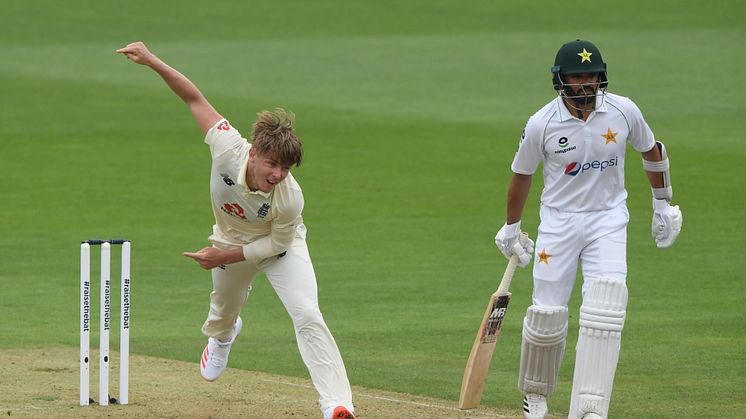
478 364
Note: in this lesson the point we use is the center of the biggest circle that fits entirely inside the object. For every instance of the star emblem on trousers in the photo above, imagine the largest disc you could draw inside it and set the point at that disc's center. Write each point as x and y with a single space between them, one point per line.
544 256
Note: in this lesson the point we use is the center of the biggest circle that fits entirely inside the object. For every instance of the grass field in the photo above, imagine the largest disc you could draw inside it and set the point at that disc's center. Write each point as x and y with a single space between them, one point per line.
410 113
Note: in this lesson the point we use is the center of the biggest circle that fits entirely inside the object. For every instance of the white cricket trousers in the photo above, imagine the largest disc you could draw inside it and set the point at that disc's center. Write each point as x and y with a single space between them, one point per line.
597 239
293 279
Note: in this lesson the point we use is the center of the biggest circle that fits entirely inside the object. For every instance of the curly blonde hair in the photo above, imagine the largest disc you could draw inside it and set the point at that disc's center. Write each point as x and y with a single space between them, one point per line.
272 135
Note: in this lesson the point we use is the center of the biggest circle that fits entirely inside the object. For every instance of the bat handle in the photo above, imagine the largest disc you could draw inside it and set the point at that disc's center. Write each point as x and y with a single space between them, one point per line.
508 275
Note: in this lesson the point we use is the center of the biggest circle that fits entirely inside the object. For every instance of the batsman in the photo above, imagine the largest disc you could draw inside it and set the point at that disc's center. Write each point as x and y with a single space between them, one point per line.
580 138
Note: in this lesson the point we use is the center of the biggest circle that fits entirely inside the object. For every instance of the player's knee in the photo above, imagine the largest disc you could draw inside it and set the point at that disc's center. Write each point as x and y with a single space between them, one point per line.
307 318
545 326
551 293
544 334
607 293
310 327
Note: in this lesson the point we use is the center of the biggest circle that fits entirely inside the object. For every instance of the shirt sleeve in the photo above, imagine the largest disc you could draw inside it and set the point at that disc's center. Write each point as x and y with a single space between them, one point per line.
222 137
641 137
530 150
288 207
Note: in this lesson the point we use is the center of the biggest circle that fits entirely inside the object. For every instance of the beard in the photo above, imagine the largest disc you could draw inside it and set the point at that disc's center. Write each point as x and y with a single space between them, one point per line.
583 97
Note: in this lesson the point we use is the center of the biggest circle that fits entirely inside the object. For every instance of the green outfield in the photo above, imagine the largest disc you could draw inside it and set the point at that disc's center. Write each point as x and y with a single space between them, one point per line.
410 114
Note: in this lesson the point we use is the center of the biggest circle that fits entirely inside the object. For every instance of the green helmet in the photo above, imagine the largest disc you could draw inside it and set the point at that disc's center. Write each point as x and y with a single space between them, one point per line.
577 57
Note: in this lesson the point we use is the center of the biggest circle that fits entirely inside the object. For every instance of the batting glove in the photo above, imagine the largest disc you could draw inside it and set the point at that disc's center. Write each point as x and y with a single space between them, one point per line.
511 242
667 221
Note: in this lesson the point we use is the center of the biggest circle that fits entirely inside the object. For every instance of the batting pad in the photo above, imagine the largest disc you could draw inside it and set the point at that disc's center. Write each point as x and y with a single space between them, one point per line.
544 333
597 352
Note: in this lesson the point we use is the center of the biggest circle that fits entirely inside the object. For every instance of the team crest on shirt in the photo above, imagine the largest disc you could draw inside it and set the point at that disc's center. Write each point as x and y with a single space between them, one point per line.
263 210
224 126
610 137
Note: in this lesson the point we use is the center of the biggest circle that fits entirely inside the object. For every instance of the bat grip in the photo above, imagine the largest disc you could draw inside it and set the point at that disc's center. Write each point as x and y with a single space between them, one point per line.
508 275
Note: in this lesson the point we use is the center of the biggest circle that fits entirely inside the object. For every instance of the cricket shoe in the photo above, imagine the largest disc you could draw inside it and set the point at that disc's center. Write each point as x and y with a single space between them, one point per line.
215 356
534 406
339 412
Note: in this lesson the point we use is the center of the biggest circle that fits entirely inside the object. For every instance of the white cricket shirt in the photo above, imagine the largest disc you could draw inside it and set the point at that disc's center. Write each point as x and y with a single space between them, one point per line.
583 160
264 224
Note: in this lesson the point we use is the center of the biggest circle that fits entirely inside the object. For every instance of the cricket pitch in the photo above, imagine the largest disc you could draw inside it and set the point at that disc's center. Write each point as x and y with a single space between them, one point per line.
44 383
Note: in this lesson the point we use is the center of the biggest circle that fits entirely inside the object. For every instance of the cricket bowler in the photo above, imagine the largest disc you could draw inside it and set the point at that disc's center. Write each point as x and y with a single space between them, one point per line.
580 137
258 228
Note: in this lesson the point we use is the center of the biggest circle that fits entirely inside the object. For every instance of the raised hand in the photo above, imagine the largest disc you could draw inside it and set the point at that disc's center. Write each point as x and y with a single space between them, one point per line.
137 52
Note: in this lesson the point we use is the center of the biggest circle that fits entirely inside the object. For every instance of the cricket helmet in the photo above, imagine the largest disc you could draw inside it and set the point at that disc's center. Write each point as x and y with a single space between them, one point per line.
577 57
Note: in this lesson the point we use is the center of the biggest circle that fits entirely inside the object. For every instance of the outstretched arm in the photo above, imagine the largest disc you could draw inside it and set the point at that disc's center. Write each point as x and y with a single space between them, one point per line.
201 109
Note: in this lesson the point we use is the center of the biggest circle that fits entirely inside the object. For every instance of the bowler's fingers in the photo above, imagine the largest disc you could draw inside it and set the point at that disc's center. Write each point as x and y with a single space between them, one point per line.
130 48
199 257
191 255
133 51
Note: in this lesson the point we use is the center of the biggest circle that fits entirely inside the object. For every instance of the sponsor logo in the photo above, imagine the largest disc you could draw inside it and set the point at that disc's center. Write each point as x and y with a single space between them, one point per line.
565 150
591 406
523 137
227 179
575 168
563 143
494 323
224 126
234 210
572 169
